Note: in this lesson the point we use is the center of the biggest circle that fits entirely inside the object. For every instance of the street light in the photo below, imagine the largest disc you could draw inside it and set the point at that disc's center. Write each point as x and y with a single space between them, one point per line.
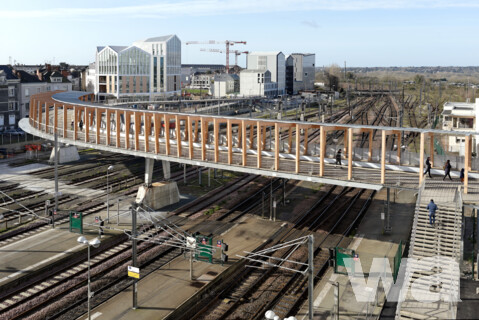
95 243
108 194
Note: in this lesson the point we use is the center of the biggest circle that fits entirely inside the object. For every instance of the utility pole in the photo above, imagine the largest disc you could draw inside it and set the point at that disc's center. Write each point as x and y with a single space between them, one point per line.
310 275
56 178
134 253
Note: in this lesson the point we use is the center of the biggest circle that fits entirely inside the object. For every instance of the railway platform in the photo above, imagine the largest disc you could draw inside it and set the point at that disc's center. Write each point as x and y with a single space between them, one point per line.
167 288
370 242
27 256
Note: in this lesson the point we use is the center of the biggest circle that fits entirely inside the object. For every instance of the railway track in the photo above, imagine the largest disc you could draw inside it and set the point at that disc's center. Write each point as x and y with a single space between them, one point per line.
257 290
12 302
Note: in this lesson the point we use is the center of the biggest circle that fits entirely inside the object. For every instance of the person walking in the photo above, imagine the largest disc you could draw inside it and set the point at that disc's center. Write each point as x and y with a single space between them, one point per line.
432 207
447 170
462 175
80 124
72 125
428 167
338 158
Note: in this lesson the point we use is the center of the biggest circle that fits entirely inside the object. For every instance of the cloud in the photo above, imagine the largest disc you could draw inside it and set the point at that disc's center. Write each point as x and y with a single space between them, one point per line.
311 24
169 8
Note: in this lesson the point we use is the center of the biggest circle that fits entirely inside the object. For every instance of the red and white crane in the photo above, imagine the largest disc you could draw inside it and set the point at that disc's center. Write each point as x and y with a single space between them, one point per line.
236 53
228 43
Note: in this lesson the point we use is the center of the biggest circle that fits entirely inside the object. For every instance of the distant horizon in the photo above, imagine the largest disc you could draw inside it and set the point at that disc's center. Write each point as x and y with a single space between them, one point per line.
374 33
219 63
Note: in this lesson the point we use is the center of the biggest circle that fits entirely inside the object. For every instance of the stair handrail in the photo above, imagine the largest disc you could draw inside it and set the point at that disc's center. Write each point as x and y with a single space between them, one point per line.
412 242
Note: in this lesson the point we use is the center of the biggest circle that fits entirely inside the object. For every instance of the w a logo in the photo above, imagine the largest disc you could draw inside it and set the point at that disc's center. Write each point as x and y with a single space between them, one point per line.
429 279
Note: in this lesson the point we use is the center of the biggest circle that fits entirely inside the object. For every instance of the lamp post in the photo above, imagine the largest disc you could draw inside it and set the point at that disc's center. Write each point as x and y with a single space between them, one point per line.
108 194
95 243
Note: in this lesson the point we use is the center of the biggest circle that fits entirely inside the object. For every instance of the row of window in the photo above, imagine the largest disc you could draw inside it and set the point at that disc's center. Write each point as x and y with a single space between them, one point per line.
11 119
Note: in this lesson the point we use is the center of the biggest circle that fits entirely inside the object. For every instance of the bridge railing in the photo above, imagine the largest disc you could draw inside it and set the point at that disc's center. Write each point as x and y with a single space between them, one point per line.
266 144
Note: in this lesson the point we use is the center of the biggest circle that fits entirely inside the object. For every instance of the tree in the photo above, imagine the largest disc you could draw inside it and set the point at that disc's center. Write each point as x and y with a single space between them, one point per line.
332 74
418 79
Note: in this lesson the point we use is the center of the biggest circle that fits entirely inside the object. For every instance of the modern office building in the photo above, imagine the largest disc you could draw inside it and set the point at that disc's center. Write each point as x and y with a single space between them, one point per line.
148 68
272 61
254 83
300 72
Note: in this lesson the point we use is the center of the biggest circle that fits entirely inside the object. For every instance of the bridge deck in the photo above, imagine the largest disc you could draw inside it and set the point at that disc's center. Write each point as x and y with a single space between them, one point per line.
266 147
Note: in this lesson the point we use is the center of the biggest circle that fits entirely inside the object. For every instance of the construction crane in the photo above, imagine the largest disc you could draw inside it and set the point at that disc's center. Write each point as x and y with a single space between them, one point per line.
228 43
236 52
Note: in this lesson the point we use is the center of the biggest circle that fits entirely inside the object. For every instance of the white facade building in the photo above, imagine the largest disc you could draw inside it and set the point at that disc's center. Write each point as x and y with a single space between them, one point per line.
255 83
461 116
272 61
90 78
201 81
226 84
148 68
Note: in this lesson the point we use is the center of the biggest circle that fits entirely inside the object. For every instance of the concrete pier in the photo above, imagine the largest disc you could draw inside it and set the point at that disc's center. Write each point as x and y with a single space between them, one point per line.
158 195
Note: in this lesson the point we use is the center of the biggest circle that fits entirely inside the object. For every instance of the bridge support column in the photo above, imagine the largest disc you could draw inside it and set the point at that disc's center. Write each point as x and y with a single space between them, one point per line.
399 145
421 158
383 157
467 161
149 165
431 147
350 153
166 169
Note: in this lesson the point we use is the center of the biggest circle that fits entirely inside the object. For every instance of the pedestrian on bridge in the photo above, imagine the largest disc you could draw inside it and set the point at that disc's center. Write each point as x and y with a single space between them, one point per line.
462 175
338 158
428 167
81 125
447 170
432 207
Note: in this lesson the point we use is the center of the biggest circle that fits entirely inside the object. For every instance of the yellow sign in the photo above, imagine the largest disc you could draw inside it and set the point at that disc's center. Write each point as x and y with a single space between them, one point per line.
134 272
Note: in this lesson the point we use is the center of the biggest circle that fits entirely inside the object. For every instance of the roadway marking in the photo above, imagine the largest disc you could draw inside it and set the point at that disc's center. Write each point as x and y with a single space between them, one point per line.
40 263
27 238
357 240
94 316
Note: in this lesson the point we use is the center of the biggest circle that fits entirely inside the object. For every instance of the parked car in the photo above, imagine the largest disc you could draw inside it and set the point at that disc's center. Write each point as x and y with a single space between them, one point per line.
20 132
12 132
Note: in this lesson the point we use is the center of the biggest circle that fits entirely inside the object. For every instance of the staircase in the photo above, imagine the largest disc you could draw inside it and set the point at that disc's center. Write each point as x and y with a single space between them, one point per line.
431 280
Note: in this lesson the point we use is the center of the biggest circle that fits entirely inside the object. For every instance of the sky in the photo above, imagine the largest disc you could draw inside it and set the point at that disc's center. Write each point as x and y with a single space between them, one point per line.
362 33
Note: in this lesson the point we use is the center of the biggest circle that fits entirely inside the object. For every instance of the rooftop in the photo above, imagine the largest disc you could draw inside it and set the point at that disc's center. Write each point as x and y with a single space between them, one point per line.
159 39
8 72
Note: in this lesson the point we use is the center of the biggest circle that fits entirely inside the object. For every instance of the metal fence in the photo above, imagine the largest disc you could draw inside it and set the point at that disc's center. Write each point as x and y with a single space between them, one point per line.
8 138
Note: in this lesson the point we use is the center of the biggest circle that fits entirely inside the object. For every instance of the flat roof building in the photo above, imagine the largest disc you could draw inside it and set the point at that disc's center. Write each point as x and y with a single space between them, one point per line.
272 61
300 72
461 116
257 83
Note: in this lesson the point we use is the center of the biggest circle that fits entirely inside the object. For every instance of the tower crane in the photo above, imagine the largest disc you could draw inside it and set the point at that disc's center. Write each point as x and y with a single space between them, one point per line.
236 52
228 43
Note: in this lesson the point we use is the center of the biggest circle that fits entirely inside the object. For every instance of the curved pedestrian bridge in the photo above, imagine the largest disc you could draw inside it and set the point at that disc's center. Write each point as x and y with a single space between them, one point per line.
277 148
